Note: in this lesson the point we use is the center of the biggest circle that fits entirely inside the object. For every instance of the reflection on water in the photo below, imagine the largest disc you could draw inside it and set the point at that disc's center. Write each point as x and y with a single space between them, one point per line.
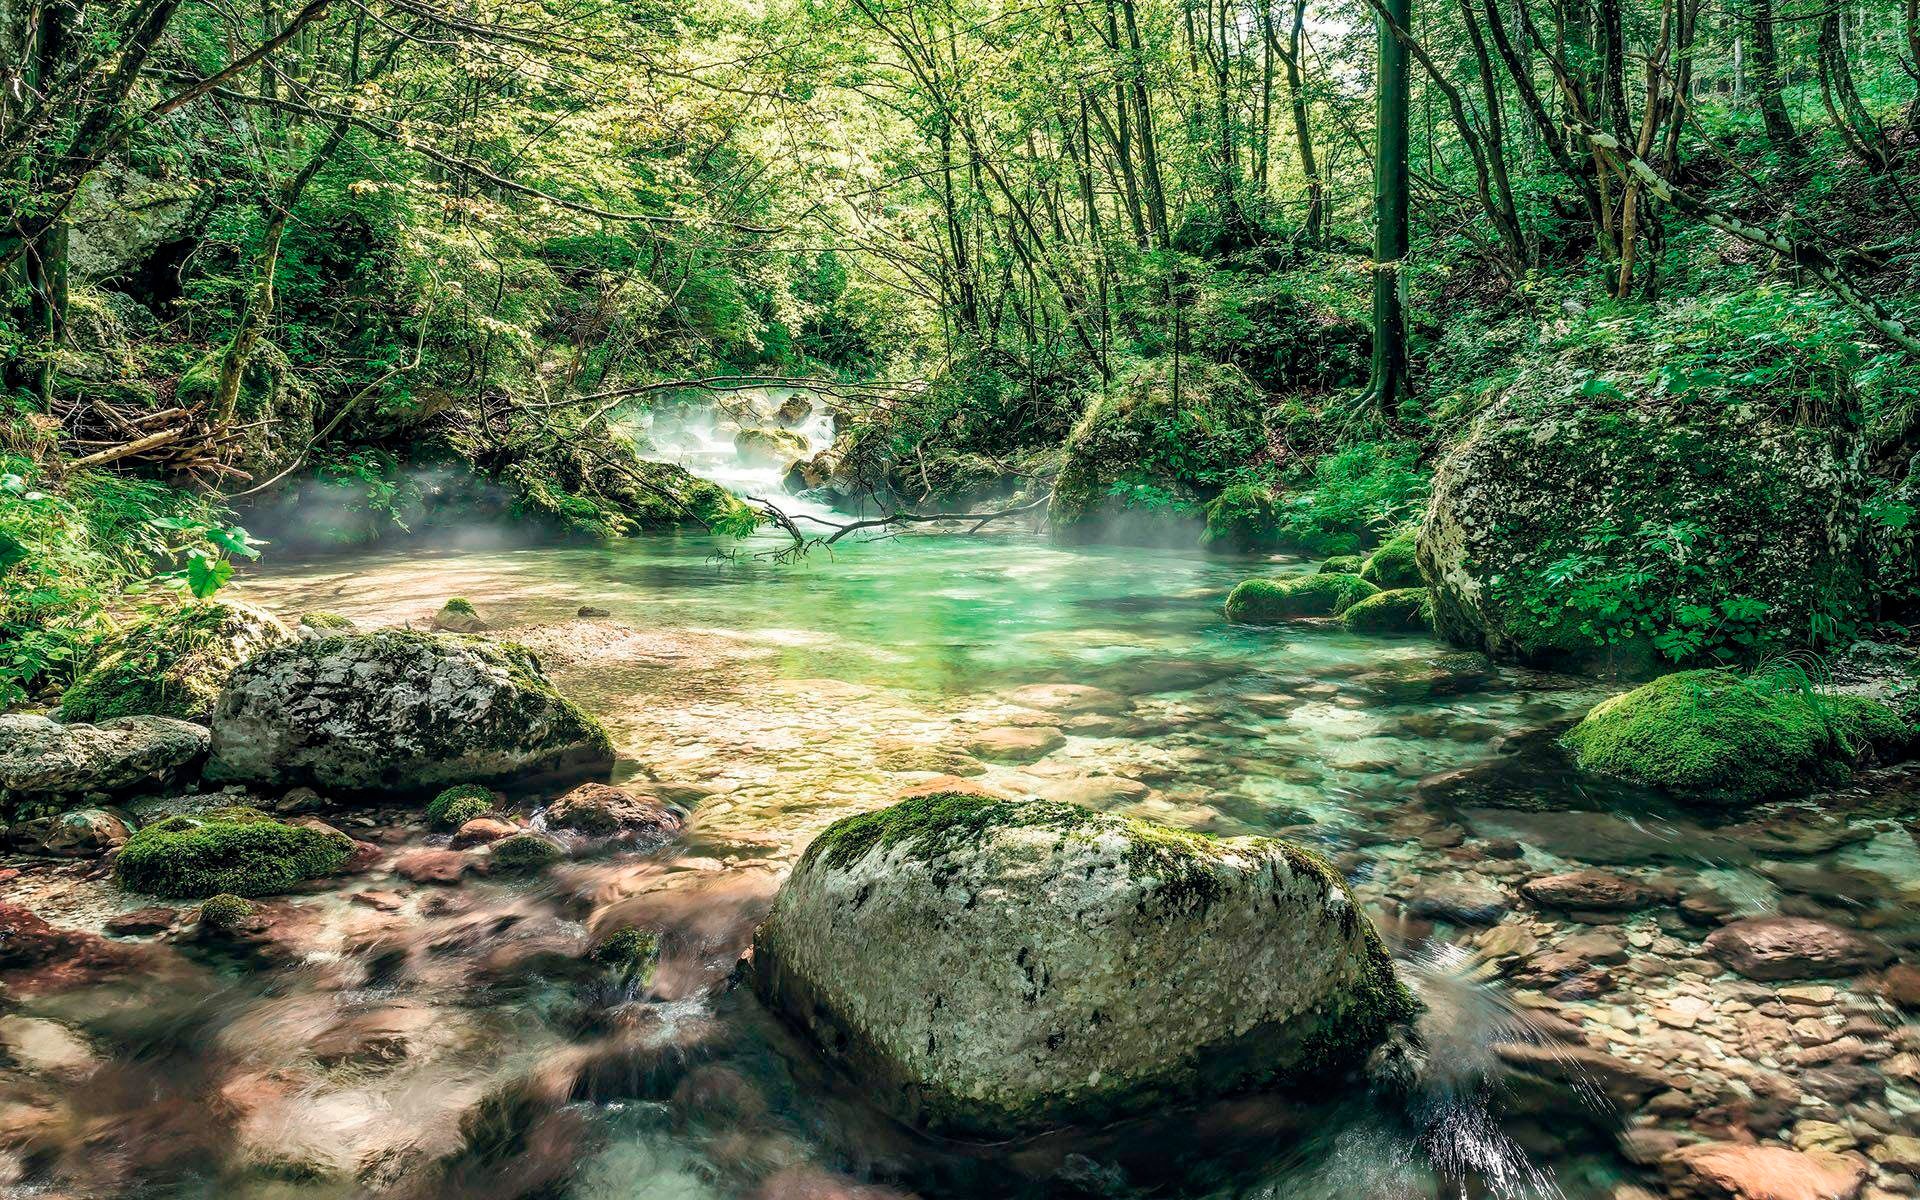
421 1041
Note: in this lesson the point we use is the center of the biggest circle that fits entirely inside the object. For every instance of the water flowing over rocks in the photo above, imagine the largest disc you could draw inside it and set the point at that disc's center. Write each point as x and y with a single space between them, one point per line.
399 710
994 967
39 756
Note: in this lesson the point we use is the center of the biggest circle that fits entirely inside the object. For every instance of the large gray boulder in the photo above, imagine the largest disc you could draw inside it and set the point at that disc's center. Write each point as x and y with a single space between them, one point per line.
121 218
41 757
991 967
399 710
172 663
1575 523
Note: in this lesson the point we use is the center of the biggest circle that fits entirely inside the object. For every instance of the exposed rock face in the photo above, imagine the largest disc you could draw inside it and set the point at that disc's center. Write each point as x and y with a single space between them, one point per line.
173 664
39 756
121 217
1546 470
1795 948
988 967
396 710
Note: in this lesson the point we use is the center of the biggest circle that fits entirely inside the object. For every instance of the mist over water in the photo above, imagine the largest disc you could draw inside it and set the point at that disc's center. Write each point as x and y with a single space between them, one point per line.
700 434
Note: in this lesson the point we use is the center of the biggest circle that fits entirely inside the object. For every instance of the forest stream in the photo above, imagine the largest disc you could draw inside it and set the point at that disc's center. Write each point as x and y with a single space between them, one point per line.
384 1023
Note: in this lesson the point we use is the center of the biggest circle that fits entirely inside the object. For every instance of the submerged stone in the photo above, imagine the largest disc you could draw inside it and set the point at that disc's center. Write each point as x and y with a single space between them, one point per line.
991 967
397 710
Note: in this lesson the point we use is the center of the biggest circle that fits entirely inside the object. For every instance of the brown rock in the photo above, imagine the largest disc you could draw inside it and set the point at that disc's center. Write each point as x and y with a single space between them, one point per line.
141 921
38 957
1068 698
602 810
482 830
1624 1082
942 785
432 866
1460 901
1585 891
1901 985
1795 948
1747 1172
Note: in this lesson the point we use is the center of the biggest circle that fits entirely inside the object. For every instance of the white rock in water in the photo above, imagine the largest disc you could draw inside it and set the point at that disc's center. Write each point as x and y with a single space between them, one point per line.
991 967
40 756
396 709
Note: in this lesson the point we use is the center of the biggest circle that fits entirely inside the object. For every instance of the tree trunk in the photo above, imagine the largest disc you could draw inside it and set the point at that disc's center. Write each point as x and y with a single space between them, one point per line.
1390 200
1766 80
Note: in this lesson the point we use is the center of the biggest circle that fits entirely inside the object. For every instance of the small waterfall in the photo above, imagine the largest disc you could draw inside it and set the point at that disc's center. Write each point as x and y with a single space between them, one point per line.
701 435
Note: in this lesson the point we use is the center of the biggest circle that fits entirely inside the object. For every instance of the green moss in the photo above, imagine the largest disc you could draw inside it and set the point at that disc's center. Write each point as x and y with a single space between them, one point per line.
1864 724
1243 517
327 622
171 664
225 912
1403 610
526 852
1715 735
633 952
459 804
459 604
1267 601
1343 564
236 850
1393 565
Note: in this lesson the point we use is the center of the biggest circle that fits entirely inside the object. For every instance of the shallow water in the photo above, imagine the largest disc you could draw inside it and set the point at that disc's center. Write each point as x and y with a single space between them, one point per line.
771 699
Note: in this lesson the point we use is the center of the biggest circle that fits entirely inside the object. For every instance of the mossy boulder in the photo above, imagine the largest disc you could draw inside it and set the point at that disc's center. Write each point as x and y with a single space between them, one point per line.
1394 564
1587 521
458 616
457 805
323 624
1402 610
172 663
770 447
1343 564
990 967
1270 601
1145 456
397 710
1718 736
1243 517
526 852
241 851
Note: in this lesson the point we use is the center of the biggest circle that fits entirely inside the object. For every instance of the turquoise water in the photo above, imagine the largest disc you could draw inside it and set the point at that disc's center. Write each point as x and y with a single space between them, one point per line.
770 698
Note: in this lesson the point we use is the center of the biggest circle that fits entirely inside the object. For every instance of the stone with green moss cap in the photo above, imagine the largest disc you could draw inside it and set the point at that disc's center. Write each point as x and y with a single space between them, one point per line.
1270 601
1403 610
1719 736
396 710
172 663
990 967
1393 565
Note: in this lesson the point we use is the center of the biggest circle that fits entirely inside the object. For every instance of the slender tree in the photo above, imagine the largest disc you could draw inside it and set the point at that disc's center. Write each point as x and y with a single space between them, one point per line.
1391 178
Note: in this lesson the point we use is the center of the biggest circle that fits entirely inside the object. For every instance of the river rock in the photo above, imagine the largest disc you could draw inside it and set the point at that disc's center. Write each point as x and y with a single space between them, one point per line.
1014 743
602 811
1585 891
38 957
39 756
1795 948
1739 1171
482 831
81 833
1625 1083
402 711
989 967
1459 901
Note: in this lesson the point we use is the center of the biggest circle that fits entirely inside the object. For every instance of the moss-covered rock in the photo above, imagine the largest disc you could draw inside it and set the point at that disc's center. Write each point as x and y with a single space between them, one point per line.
172 663
225 913
1717 736
1343 564
600 487
1243 517
323 624
1023 964
526 852
1270 601
457 805
458 616
770 447
238 850
1402 610
1141 462
1588 520
396 710
1393 565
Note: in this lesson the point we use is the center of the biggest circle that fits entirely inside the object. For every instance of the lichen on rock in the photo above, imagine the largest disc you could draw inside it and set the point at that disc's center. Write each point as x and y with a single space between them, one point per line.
400 710
1021 964
42 757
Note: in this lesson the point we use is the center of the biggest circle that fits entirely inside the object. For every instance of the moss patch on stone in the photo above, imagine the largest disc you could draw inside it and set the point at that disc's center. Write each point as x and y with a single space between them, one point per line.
1343 564
171 664
459 804
526 852
1403 610
327 622
1715 735
1243 517
1269 601
238 850
225 913
1393 565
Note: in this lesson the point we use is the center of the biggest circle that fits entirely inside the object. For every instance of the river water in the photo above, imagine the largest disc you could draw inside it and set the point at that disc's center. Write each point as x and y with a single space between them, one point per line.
417 1040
